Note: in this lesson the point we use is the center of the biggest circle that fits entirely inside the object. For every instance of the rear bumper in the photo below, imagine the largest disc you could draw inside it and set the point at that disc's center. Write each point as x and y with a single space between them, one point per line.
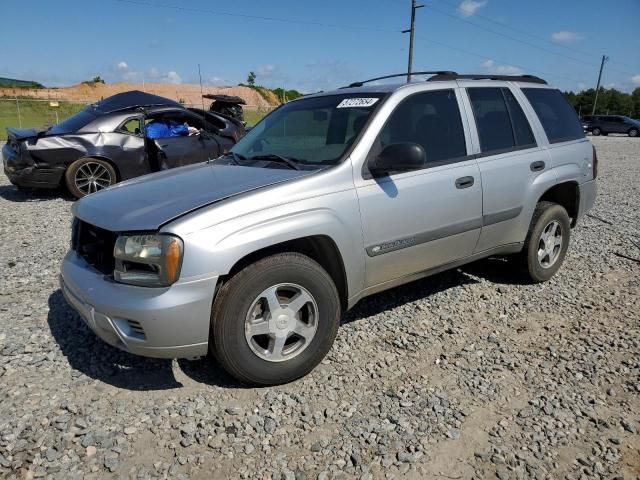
588 193
25 174
168 322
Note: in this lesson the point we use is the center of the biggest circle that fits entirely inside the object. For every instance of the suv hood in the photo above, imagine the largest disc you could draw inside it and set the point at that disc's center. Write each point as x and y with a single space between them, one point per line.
148 202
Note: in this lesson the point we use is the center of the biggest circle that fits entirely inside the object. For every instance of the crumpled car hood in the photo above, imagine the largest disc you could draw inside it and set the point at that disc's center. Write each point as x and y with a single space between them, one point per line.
148 202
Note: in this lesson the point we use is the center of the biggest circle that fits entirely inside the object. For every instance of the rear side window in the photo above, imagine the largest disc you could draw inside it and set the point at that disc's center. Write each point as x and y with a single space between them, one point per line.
558 117
502 125
431 119
73 123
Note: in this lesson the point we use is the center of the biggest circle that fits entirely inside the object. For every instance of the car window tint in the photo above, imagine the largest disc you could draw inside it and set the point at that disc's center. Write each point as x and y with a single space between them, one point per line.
521 128
492 119
559 119
74 122
131 126
431 119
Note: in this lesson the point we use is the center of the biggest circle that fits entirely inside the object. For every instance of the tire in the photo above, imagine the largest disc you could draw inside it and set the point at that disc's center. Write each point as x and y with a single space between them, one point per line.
634 132
241 308
89 175
542 266
596 132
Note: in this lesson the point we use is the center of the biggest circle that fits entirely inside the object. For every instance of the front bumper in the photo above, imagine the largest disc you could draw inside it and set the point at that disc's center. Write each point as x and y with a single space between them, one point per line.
27 174
170 322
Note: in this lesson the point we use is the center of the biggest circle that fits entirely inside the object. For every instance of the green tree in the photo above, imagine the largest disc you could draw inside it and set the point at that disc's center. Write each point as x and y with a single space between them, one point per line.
251 79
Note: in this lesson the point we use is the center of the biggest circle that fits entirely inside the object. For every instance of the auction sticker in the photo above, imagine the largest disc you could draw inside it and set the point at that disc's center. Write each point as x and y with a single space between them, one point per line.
357 102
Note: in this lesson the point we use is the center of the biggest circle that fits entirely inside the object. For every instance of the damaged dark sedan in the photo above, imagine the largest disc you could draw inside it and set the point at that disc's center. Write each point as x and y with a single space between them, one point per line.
118 138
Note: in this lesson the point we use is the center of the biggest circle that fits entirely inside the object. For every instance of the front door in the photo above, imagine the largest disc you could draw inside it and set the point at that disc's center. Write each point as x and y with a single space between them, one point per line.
414 221
175 152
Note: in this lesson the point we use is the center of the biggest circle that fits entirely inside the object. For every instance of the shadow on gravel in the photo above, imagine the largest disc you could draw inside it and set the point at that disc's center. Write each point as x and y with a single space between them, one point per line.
88 354
396 297
12 194
499 270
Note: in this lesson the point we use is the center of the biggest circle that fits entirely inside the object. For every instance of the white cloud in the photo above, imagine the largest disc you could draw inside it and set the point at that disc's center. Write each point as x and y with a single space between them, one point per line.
266 70
564 36
636 79
173 77
470 7
493 67
122 67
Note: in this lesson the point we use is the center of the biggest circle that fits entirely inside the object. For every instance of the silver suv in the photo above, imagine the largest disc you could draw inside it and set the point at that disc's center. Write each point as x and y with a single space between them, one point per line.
254 256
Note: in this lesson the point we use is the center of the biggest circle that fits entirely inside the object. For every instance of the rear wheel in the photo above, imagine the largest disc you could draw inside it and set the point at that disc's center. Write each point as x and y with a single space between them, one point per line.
634 132
547 241
89 175
275 320
596 131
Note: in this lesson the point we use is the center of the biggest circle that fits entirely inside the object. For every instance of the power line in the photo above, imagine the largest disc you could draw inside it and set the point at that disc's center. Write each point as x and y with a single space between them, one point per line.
323 24
255 17
524 41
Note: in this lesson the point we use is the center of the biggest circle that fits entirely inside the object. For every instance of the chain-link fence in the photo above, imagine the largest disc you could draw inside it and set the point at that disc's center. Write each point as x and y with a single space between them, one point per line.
37 113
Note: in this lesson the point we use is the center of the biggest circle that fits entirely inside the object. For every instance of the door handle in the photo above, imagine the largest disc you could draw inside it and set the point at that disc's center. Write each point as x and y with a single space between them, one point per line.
464 182
537 166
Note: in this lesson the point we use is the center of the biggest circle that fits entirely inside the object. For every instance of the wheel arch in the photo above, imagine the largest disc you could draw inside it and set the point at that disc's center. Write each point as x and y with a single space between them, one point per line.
566 194
320 248
98 157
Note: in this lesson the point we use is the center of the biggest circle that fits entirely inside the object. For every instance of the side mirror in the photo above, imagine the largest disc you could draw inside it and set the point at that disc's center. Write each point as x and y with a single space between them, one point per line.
398 157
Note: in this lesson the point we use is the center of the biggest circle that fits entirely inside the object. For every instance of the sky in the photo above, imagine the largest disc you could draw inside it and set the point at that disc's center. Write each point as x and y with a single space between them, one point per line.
313 46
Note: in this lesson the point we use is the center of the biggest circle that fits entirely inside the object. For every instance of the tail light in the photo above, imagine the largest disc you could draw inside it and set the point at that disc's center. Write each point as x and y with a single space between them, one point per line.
594 162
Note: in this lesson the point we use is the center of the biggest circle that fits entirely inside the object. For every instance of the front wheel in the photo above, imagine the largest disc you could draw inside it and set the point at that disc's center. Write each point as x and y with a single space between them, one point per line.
89 175
634 132
596 131
547 241
275 320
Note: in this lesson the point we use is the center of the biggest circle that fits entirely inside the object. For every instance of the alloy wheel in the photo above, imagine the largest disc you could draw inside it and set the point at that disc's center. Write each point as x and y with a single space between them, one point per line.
91 177
550 244
281 322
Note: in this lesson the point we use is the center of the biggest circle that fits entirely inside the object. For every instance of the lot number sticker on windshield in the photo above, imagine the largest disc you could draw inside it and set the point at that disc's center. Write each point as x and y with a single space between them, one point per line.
357 102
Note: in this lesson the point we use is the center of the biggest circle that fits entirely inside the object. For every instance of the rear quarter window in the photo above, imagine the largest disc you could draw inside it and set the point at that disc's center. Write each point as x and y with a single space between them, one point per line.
559 119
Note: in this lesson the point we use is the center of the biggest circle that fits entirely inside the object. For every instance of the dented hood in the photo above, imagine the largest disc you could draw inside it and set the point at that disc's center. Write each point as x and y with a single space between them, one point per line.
148 202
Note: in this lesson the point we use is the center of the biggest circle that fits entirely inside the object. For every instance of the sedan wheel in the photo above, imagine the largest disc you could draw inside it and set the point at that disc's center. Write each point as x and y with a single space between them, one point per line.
89 175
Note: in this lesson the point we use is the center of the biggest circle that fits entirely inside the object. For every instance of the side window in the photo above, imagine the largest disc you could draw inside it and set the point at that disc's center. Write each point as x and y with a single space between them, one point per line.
131 126
431 119
492 119
521 128
558 117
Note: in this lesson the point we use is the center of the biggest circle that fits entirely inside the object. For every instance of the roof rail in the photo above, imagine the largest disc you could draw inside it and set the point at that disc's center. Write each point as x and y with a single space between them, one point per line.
509 78
359 84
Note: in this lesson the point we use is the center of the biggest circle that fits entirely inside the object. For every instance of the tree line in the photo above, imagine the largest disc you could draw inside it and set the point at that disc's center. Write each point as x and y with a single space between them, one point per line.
610 102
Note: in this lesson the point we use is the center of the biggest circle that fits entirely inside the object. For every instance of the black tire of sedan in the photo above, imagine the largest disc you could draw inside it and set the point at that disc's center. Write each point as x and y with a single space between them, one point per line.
89 175
275 320
596 131
634 132
547 241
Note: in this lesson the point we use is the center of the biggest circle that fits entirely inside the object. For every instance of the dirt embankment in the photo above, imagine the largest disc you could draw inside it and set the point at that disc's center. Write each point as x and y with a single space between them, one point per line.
188 93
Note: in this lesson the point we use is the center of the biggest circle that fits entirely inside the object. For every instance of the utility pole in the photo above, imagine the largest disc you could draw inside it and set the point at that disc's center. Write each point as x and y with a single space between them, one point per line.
414 7
595 101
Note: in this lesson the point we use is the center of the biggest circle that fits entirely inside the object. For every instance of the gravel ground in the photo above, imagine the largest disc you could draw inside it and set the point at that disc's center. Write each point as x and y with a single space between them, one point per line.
467 374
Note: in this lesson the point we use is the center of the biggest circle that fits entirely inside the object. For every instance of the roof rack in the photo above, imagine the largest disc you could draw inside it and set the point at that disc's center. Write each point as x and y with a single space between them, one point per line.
440 72
510 78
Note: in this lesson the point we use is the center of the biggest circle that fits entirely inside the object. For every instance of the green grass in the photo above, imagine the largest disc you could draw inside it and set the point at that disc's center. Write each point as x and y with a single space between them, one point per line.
33 114
254 116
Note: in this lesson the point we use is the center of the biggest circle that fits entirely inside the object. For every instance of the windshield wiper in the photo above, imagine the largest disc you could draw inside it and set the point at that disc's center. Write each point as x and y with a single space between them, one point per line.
236 157
290 162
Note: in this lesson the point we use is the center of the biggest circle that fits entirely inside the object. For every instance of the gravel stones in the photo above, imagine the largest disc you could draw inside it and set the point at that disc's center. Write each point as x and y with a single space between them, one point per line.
467 374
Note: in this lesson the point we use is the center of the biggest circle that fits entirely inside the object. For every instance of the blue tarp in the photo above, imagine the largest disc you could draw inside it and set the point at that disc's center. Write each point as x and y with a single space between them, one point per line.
166 129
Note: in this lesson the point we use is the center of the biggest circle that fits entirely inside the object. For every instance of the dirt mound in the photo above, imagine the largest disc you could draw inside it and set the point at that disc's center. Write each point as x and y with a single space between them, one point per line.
187 93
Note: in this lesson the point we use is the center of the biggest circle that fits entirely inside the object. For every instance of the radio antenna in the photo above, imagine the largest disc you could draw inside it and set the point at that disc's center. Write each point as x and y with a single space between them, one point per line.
204 115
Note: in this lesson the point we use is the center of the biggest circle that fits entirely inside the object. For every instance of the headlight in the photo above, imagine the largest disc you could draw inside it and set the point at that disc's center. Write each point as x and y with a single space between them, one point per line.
148 260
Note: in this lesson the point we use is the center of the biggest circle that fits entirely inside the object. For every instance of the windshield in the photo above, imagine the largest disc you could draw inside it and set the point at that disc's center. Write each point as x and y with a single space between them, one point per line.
73 123
310 131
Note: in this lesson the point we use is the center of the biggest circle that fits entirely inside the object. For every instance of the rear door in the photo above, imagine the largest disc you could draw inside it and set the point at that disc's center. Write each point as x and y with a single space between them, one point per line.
512 165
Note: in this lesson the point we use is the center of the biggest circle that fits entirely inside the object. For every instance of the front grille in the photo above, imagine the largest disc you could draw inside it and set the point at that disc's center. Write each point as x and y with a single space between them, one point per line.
95 245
